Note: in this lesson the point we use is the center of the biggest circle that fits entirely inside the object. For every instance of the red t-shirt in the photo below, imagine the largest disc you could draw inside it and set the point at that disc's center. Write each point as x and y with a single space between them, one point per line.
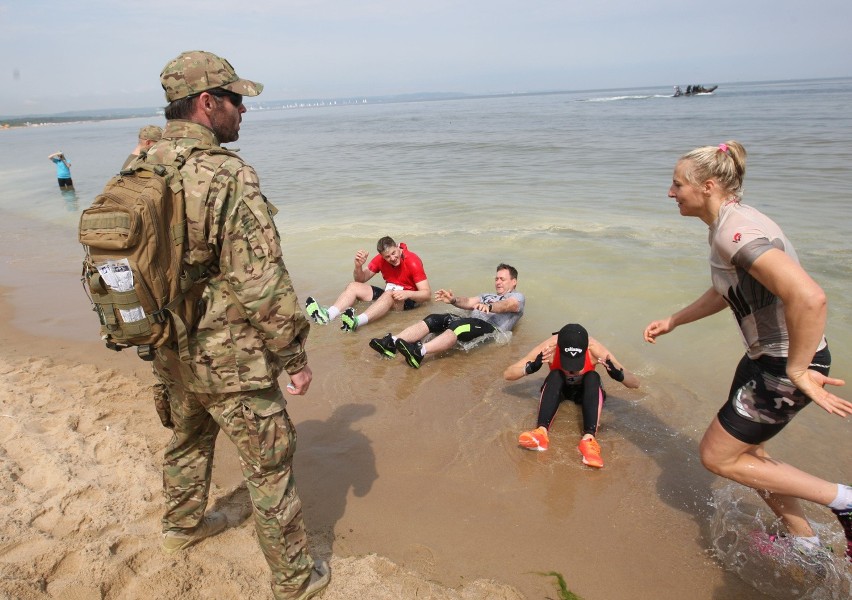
408 273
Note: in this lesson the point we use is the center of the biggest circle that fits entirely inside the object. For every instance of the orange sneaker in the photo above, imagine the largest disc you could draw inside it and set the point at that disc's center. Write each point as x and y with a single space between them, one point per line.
591 451
534 440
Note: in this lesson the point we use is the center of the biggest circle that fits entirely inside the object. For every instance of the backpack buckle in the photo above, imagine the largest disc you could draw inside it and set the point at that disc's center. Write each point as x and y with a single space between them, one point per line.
145 352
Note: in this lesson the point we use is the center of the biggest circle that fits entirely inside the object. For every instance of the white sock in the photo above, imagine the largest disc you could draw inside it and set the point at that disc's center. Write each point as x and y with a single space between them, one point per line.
422 350
807 543
363 320
843 500
333 313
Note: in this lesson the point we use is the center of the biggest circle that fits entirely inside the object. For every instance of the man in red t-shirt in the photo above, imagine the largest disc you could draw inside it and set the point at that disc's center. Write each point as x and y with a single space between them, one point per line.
405 287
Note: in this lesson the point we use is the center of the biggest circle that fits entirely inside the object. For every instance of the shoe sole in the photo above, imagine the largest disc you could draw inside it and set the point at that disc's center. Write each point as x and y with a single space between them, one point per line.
375 345
409 358
596 464
535 448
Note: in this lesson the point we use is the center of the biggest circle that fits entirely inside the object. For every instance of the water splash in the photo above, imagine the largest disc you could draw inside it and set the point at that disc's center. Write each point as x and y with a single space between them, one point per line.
744 540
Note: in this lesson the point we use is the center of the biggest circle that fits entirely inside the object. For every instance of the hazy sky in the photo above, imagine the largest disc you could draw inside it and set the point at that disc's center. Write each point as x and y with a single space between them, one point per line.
59 56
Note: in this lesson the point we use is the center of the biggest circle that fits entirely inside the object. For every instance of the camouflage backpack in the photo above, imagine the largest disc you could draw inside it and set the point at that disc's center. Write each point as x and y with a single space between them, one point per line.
134 273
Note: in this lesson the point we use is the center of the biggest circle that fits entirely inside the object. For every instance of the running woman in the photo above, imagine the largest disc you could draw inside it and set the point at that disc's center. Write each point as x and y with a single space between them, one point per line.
781 313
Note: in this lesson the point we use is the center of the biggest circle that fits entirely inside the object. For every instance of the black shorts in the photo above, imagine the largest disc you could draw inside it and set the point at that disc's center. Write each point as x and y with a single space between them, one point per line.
65 182
762 400
407 305
465 328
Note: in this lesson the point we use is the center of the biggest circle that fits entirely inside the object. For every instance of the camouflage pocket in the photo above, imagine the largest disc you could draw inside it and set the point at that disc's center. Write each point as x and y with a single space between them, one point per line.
161 403
269 436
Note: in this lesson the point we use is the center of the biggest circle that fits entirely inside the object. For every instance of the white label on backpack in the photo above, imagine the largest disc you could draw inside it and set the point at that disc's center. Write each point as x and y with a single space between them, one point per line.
118 275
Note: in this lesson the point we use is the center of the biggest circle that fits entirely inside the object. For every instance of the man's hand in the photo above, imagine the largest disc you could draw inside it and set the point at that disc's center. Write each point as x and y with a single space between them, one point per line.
300 382
361 258
443 295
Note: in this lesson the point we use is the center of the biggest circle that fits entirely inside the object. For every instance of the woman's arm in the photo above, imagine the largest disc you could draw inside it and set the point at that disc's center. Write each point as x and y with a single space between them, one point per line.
518 369
709 303
614 368
805 308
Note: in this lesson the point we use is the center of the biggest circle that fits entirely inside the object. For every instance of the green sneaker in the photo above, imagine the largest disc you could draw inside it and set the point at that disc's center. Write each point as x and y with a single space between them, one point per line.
315 311
411 352
384 346
210 525
349 320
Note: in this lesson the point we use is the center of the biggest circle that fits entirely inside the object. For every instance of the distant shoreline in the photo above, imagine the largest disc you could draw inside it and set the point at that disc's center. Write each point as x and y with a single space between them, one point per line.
111 114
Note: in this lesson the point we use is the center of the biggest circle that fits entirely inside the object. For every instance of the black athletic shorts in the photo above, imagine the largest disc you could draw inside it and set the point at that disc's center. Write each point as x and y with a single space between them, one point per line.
407 305
762 400
465 328
65 182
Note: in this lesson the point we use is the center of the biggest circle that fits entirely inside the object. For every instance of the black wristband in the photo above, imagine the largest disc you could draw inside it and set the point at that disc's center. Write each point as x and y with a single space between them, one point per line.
616 374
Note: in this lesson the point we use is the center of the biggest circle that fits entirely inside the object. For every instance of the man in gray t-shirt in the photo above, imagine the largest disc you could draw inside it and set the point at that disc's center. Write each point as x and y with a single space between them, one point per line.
490 312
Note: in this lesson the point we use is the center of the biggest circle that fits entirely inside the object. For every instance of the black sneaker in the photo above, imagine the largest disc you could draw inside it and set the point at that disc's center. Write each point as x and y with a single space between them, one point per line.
384 346
348 320
411 352
315 311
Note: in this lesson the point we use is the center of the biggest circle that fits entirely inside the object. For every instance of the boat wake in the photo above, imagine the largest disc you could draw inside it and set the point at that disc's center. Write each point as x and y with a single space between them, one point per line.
621 98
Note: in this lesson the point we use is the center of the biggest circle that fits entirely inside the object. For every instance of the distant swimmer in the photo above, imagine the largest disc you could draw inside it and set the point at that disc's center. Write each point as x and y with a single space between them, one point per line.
63 170
406 286
572 357
489 313
781 313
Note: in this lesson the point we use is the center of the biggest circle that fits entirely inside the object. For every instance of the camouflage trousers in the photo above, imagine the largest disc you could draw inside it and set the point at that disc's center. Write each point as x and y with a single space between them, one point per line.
259 426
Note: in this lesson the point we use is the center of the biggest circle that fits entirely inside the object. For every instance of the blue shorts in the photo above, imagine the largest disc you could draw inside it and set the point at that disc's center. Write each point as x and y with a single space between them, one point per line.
762 400
407 305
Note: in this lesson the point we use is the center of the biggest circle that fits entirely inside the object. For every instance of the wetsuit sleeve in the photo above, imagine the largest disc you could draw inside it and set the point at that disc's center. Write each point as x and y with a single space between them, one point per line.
253 266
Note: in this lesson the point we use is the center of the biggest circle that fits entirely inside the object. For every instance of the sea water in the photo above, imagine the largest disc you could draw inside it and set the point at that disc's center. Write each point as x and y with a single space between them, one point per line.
570 188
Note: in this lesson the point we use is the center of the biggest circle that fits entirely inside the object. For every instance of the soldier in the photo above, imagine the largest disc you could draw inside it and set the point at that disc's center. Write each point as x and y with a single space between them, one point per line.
148 136
251 330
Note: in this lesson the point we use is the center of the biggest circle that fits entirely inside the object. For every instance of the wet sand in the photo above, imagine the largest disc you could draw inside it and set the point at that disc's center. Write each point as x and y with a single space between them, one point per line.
412 482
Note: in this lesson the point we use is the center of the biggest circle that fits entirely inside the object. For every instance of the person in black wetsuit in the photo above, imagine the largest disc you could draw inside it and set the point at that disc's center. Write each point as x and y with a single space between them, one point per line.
572 377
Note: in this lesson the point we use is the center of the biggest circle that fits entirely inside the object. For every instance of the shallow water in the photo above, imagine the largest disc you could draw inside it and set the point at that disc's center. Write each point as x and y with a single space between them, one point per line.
571 190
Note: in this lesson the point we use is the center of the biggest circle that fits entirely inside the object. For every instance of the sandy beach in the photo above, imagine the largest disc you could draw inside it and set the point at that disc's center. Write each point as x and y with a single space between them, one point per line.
81 494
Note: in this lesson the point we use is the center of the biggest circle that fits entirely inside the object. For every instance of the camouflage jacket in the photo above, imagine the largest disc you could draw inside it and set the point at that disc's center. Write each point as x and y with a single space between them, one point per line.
252 327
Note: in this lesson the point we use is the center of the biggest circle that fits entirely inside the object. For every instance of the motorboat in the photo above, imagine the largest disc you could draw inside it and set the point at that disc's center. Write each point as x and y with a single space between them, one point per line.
693 90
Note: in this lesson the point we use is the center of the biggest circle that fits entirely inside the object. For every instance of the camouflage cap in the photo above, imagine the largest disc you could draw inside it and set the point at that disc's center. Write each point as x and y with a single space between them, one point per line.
198 71
151 132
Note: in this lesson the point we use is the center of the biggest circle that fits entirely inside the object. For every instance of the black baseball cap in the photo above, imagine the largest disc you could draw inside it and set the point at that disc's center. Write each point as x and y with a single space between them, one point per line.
573 341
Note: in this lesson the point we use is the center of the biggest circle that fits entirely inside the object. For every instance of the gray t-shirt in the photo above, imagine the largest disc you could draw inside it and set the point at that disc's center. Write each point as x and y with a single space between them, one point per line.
738 237
502 321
